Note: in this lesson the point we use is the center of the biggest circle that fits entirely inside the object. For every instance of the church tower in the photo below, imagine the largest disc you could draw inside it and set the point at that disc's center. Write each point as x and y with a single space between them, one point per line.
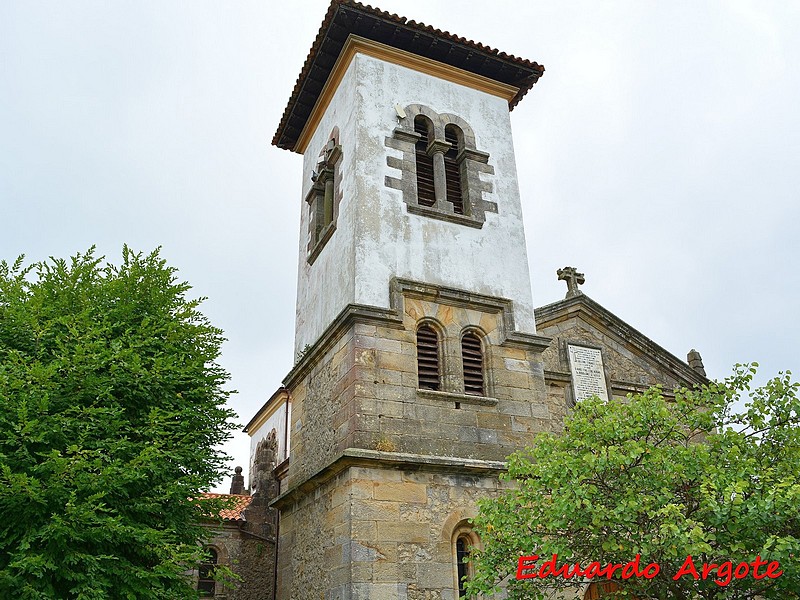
418 368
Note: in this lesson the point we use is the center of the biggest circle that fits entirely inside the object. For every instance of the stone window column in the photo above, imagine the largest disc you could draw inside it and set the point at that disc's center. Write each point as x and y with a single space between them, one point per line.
437 150
326 180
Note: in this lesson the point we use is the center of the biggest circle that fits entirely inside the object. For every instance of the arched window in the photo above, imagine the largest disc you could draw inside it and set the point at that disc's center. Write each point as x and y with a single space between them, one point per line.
205 579
464 540
324 195
427 358
472 360
426 192
443 175
463 566
452 168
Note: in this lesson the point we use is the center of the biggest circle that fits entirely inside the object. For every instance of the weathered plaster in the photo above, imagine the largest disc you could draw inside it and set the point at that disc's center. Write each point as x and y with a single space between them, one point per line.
376 239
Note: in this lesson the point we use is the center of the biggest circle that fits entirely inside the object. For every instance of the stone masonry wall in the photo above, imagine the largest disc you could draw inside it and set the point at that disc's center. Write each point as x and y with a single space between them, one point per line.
368 531
363 392
403 523
376 533
322 411
393 414
627 369
314 545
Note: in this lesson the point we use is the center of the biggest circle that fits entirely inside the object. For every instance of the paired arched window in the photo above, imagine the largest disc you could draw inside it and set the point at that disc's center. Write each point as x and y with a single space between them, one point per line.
443 175
323 197
205 576
427 357
429 361
472 361
438 166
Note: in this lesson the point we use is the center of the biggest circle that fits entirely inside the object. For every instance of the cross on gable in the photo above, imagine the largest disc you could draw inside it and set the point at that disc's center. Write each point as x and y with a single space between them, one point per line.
573 279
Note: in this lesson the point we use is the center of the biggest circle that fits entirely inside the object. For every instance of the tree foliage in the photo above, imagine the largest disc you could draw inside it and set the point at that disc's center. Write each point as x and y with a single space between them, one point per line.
661 478
112 409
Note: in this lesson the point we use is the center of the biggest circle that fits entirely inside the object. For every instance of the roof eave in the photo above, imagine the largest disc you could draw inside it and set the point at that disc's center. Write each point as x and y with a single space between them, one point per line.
351 17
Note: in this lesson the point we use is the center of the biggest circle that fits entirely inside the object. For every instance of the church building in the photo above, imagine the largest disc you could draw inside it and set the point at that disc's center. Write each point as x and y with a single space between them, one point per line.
421 360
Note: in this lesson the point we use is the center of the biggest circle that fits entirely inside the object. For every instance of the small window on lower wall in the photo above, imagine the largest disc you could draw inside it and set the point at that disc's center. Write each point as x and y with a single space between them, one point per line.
464 540
205 579
463 564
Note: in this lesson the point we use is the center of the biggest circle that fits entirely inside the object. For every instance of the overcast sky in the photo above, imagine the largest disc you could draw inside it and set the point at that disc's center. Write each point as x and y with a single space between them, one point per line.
659 154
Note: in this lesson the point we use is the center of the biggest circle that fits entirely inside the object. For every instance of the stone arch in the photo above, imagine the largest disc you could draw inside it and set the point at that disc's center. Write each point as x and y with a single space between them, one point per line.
469 361
462 538
438 121
430 353
466 164
222 559
456 519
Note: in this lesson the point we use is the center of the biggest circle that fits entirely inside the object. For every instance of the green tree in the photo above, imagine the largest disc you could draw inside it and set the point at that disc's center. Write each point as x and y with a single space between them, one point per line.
660 478
112 409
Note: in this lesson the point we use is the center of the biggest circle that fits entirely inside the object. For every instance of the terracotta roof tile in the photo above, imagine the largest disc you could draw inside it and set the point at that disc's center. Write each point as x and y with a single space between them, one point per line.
237 512
496 65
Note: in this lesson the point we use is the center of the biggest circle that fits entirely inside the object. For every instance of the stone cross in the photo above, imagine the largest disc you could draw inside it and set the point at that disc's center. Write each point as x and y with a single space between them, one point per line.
573 279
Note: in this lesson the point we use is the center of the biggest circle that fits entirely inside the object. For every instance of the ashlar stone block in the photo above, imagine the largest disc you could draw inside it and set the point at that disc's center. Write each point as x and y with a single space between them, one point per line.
400 492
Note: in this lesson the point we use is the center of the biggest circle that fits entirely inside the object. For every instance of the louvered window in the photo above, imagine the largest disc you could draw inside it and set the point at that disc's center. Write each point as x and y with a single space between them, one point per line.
427 358
426 194
452 170
472 358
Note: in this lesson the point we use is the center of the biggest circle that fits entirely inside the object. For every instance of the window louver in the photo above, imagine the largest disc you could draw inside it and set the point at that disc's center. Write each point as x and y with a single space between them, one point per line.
426 194
452 172
472 357
427 358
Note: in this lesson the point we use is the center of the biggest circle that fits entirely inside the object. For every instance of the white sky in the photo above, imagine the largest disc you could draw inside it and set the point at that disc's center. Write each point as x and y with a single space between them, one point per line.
659 154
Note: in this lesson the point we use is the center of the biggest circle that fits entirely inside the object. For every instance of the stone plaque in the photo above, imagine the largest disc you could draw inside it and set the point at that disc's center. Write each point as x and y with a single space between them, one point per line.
588 375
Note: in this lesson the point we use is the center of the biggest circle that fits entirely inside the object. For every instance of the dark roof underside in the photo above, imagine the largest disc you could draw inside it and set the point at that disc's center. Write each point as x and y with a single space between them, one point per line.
347 16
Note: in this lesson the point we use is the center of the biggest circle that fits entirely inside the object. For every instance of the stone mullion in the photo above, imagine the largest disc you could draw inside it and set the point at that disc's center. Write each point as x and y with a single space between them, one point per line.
452 379
328 202
437 149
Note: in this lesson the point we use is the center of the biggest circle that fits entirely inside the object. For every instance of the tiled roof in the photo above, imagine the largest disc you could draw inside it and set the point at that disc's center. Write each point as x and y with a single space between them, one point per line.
235 513
345 17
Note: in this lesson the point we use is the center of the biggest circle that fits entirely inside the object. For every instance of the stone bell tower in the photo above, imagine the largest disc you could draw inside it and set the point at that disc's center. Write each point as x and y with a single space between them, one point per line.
419 368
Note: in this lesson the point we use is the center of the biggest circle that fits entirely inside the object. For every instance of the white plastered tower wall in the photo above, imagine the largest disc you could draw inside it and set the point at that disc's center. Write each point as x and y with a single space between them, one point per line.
327 285
376 239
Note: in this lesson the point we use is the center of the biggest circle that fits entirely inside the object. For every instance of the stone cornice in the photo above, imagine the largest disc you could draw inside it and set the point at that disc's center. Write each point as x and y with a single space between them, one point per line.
352 313
464 299
359 45
357 457
265 412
